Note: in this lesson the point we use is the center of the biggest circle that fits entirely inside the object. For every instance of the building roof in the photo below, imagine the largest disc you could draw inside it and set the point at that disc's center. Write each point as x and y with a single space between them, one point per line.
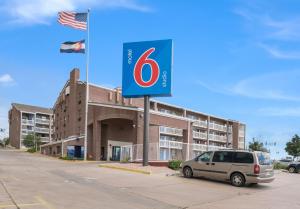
174 106
30 108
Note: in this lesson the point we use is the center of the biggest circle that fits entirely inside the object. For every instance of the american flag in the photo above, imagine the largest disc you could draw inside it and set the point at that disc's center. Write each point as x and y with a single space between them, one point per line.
74 20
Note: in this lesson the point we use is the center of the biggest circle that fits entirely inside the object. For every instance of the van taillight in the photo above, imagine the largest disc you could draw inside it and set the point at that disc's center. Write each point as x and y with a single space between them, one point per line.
256 169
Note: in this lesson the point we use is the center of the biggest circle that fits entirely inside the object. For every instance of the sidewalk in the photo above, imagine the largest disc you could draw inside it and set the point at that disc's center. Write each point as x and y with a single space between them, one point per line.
139 168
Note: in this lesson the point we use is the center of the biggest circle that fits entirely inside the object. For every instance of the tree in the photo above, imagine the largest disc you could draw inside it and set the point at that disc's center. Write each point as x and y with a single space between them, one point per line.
293 147
32 142
4 142
256 145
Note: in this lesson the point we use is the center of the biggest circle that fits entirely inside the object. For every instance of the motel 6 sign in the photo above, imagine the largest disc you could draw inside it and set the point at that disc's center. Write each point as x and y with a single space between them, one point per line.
147 68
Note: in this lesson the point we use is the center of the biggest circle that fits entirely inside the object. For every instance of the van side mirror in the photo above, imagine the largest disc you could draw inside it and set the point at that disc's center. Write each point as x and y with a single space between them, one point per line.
196 159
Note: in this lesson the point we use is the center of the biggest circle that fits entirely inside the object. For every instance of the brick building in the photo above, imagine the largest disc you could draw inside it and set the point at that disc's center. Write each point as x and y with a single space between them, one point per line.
27 119
115 127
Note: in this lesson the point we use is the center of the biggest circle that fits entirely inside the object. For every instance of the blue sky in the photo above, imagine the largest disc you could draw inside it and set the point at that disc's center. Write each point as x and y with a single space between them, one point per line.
235 59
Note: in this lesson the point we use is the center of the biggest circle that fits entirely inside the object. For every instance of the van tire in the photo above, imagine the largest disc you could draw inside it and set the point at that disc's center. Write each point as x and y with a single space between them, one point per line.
292 169
237 179
187 172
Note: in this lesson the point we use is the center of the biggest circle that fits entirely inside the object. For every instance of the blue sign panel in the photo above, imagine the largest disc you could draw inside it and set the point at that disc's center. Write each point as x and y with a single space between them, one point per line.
147 68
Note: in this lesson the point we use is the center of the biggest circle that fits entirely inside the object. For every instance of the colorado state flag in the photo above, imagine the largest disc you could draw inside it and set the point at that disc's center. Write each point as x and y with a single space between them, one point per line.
73 47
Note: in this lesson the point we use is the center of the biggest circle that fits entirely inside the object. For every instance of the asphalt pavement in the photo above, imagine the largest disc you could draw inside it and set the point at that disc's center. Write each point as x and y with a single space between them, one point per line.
39 182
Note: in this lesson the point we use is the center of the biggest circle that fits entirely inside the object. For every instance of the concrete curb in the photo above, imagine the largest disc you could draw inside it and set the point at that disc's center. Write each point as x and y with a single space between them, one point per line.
125 169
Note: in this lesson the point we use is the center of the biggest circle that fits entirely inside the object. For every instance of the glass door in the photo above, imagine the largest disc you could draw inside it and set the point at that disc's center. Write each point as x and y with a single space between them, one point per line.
116 153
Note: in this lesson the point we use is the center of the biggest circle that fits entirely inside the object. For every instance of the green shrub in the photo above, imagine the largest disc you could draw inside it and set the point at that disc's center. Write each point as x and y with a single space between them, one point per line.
31 150
126 160
278 166
174 164
66 158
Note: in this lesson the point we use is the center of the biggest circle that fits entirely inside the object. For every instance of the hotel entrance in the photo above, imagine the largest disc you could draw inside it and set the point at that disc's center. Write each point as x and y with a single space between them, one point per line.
115 134
116 153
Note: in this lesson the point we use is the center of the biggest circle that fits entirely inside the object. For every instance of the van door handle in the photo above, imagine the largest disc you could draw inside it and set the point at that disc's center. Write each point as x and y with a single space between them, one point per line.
207 163
213 164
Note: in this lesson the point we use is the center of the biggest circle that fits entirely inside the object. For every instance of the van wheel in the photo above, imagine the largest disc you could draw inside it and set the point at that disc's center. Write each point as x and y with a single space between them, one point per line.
187 172
237 180
292 169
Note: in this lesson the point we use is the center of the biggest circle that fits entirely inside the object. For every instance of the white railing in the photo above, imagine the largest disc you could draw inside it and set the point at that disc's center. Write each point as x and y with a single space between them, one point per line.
199 147
213 148
241 133
26 131
42 120
162 151
44 139
172 131
217 138
200 123
26 121
44 130
241 139
170 144
199 135
217 127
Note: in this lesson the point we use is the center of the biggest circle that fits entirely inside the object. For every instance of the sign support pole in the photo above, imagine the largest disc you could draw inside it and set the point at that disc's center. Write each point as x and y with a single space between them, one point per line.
87 86
146 130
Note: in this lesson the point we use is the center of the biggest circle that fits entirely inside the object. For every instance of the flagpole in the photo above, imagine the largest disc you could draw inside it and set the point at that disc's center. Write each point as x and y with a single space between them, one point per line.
87 84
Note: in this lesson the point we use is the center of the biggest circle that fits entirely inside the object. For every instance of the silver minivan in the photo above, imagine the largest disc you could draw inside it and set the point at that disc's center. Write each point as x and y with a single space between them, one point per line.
240 167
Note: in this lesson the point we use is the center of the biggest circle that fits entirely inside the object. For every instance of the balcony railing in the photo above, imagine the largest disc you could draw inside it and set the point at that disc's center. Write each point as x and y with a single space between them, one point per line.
213 148
241 133
170 144
199 147
43 130
217 138
26 131
203 147
217 127
45 139
171 131
42 120
26 121
199 135
200 123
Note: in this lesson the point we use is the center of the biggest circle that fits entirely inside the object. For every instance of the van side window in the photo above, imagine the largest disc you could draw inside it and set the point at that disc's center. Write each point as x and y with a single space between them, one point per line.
205 157
221 156
243 157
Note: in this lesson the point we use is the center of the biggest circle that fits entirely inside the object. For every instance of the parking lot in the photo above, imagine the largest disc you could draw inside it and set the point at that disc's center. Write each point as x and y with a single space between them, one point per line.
38 182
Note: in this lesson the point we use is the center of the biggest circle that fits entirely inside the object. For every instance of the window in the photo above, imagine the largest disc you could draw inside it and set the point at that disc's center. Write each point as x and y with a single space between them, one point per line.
222 157
164 154
263 158
205 157
243 157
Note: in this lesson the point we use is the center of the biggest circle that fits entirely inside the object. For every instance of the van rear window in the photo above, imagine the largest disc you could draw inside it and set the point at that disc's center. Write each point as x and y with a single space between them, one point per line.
263 158
243 157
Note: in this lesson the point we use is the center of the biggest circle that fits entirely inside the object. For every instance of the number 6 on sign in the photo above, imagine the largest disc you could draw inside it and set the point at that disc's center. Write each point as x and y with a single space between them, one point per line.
155 54
138 69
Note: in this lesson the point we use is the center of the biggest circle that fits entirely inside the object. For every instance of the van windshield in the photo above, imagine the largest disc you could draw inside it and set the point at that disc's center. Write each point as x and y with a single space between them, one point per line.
263 158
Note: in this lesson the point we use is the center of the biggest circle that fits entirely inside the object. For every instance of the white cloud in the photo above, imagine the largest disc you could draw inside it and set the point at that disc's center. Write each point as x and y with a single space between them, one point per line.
40 11
281 85
6 80
280 111
267 26
278 86
287 29
284 29
280 54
